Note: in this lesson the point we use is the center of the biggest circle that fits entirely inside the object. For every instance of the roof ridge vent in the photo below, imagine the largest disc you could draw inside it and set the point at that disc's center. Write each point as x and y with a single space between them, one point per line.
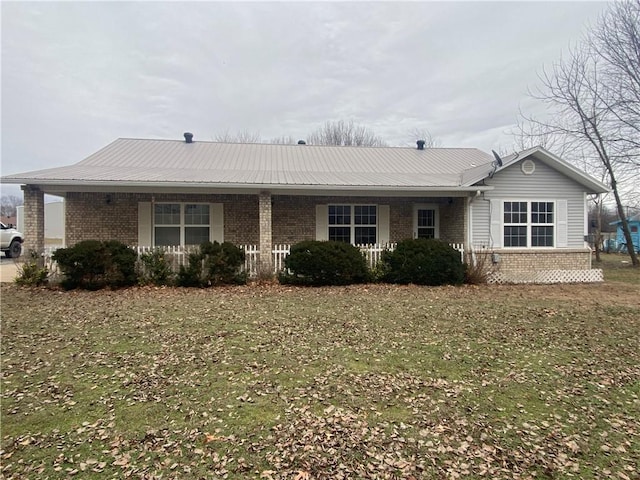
188 137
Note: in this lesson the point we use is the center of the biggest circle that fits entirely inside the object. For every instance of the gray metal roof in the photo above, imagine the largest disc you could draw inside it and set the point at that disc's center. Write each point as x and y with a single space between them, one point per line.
177 162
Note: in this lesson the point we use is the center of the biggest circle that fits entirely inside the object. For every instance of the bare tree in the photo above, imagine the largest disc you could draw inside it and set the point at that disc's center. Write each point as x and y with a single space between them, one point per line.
616 41
8 205
423 134
284 140
533 133
593 97
345 133
243 136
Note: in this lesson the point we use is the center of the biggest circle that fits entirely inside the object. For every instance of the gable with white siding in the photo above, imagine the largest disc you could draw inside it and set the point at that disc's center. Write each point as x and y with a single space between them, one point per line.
544 184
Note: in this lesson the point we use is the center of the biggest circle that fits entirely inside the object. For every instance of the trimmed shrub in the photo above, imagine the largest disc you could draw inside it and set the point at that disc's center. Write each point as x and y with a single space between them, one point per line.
423 262
92 265
32 273
121 264
213 264
191 274
324 263
154 269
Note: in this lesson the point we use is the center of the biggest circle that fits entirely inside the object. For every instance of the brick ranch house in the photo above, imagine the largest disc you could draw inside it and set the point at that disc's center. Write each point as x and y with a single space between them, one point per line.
526 213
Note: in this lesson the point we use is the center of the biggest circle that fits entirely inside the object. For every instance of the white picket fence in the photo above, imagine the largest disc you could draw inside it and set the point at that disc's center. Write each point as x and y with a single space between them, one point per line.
177 255
373 253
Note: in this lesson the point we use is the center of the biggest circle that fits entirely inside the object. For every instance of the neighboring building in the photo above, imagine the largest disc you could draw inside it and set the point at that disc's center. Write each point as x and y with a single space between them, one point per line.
634 227
10 221
528 210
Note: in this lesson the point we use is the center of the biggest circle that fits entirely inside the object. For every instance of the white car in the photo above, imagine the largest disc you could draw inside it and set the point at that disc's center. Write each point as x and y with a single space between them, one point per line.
11 241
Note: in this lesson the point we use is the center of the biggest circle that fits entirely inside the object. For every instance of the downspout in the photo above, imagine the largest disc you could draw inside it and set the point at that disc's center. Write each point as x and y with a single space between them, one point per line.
469 236
153 219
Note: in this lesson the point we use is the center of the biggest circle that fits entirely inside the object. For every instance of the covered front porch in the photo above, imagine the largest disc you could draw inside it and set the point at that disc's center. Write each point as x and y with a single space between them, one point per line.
263 221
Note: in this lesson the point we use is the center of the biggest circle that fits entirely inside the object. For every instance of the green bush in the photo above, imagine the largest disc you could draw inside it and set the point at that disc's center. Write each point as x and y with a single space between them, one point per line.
213 264
92 265
324 263
191 275
423 262
155 269
32 272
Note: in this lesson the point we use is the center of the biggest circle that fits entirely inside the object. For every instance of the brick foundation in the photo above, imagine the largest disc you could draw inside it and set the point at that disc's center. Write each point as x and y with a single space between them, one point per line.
536 266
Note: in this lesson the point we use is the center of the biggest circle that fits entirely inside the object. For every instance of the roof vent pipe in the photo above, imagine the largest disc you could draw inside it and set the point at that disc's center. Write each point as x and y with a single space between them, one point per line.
420 144
188 137
301 142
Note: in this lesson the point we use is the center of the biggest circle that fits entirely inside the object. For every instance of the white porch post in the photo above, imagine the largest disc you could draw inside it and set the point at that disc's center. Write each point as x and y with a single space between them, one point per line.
266 245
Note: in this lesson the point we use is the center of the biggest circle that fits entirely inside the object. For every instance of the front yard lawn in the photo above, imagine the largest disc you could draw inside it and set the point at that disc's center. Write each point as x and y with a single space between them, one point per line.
353 382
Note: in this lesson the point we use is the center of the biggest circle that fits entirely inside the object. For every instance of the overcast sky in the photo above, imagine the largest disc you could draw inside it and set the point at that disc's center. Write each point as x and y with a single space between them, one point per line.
78 75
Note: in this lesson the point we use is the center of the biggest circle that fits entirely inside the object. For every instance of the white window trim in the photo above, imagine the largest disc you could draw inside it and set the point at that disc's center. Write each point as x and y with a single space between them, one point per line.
426 206
352 226
529 224
182 224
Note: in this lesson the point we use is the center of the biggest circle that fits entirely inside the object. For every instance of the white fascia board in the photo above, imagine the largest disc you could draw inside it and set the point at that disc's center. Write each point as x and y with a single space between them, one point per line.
57 187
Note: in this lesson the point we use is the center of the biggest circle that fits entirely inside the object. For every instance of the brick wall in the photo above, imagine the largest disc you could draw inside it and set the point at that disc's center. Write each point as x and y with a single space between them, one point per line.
106 216
453 221
109 216
518 264
294 216
293 219
101 216
400 218
558 259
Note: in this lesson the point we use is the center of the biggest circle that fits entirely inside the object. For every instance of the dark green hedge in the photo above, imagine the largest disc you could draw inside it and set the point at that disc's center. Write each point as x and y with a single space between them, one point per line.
422 262
92 265
324 263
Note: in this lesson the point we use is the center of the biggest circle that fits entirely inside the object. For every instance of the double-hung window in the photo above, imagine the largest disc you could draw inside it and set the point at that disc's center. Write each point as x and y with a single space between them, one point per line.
529 224
181 223
425 221
356 224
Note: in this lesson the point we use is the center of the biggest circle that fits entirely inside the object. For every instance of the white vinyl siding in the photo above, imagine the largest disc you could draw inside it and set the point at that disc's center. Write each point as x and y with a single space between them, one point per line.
545 184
